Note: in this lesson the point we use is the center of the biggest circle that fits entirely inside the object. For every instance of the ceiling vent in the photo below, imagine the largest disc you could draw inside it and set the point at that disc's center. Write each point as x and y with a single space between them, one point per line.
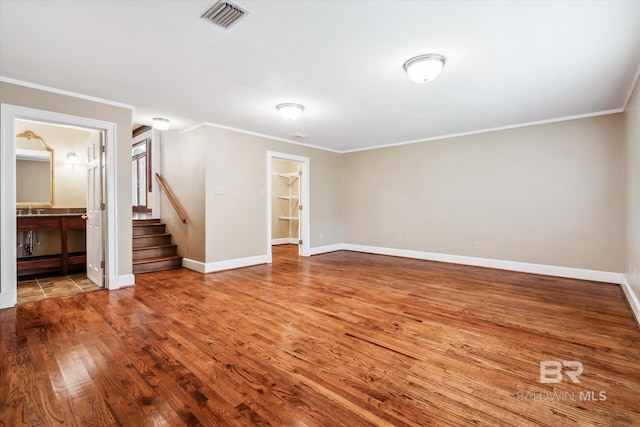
224 14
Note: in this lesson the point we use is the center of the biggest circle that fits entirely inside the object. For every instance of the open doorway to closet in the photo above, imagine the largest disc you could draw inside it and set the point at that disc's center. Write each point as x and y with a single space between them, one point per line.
287 202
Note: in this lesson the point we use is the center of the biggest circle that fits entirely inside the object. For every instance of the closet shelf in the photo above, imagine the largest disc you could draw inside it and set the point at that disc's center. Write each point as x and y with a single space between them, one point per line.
288 218
291 176
288 197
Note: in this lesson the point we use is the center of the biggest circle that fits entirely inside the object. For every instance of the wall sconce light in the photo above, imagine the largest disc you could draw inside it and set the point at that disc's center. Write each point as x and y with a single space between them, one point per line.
290 111
161 123
425 68
73 158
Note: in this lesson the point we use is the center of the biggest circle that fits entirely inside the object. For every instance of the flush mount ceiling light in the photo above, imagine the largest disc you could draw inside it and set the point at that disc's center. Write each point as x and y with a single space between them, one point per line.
298 135
160 123
425 68
290 111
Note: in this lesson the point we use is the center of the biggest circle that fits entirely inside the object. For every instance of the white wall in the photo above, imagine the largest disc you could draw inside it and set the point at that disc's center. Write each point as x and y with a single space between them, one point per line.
183 169
237 220
549 194
232 225
632 152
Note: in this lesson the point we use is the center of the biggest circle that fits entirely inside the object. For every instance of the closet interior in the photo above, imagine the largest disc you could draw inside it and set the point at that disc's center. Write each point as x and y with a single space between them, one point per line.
285 203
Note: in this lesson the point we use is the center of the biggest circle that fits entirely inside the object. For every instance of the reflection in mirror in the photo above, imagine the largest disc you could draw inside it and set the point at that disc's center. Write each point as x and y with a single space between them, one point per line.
34 171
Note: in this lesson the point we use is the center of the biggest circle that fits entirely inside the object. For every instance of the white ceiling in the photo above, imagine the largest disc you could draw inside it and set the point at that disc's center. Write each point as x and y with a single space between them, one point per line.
508 63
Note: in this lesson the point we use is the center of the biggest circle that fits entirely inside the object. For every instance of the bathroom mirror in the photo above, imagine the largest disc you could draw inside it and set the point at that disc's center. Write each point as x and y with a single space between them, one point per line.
34 171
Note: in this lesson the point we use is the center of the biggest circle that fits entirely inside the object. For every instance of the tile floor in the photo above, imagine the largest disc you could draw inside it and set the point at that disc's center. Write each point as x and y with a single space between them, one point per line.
53 287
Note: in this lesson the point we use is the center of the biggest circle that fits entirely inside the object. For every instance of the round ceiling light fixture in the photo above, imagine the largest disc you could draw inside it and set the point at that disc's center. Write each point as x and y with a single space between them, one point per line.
425 68
290 111
161 123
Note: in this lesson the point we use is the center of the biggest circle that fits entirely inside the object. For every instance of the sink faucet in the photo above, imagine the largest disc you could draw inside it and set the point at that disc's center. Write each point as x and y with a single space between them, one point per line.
30 213
39 211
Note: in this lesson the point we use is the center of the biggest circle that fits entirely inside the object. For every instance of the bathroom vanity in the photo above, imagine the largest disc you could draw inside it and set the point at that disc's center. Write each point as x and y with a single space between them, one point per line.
65 224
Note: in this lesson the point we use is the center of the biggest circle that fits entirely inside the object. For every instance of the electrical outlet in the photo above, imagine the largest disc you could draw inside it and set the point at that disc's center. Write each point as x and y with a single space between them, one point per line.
321 236
219 189
263 192
476 245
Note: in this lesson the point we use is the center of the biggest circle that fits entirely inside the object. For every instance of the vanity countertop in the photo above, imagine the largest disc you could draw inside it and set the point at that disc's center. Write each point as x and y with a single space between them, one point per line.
45 215
49 212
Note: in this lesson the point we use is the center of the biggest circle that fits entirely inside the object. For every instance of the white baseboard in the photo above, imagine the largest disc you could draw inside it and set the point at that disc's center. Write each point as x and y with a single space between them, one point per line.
8 299
193 265
122 281
284 241
229 264
631 297
548 270
328 248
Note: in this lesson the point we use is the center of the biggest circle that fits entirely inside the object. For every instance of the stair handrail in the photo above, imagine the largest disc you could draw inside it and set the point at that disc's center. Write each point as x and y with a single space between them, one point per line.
172 199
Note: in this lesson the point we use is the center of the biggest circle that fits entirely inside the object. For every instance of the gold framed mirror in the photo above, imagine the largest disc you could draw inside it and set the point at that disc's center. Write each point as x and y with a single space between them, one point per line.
34 171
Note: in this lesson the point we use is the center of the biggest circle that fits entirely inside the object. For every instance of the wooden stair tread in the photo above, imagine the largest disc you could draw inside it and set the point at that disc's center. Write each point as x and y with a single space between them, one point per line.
152 235
163 258
167 245
156 253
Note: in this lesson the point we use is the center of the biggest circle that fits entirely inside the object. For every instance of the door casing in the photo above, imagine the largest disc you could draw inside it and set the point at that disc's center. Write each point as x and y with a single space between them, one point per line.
8 114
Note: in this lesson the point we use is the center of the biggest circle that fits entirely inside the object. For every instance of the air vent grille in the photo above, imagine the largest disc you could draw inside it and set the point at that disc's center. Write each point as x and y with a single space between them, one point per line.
224 14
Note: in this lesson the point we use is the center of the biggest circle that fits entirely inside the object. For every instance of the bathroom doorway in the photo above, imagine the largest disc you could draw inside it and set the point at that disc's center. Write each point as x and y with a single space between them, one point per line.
51 200
8 218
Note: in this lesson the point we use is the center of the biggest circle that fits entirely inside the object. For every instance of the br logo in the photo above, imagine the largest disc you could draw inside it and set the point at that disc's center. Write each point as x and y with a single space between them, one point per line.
551 371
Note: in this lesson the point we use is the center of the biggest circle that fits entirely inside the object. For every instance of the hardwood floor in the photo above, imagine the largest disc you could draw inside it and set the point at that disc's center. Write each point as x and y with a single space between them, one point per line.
337 339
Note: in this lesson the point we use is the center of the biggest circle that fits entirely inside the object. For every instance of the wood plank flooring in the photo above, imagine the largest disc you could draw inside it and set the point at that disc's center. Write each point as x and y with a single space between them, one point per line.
337 339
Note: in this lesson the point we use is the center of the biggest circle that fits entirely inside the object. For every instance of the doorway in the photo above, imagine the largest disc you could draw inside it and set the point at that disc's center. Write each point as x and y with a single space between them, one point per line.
8 237
139 175
288 218
141 171
52 207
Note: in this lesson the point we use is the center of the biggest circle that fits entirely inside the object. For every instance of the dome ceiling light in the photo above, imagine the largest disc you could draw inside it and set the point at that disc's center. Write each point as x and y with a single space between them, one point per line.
160 123
290 111
425 68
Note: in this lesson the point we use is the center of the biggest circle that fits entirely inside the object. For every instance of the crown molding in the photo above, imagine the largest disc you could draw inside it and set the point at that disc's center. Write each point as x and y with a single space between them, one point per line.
262 135
495 129
30 85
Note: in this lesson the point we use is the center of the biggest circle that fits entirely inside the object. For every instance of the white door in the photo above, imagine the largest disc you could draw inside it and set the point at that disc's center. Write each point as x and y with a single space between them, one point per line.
95 170
301 207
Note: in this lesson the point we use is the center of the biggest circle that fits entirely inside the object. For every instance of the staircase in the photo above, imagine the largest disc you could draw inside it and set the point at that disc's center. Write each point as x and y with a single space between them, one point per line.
152 248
